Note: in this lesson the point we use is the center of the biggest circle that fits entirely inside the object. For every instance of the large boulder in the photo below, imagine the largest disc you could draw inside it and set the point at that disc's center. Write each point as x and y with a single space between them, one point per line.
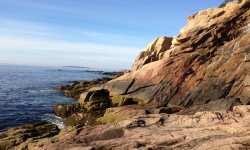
95 100
91 106
99 94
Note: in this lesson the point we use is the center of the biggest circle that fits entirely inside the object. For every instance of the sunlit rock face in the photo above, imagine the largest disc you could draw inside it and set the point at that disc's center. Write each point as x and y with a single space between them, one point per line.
192 90
152 52
207 61
204 130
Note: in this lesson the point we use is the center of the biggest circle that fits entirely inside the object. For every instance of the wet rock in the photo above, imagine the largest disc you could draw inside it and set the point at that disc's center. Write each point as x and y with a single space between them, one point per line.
91 107
96 71
115 74
65 110
75 89
25 134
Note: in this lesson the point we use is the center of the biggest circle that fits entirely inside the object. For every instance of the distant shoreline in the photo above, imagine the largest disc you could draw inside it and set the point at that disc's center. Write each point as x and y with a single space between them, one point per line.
74 67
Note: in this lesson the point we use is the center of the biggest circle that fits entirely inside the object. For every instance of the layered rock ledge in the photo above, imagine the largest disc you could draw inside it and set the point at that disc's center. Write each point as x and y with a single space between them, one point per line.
190 91
210 62
204 130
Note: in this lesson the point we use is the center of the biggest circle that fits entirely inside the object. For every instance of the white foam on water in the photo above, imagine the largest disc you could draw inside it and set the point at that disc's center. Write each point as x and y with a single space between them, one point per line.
45 90
38 91
51 118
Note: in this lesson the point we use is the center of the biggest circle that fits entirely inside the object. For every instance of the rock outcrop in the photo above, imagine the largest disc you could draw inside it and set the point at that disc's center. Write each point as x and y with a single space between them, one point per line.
204 68
153 52
87 113
23 135
204 130
75 89
186 92
210 62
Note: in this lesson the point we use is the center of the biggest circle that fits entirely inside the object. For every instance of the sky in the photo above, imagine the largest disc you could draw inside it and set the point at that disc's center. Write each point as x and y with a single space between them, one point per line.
107 34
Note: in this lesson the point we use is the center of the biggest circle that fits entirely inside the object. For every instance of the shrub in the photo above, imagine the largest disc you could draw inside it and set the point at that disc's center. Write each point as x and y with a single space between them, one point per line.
227 1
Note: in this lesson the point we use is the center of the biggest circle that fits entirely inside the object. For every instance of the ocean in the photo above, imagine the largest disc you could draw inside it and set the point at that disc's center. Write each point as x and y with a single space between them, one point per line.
26 94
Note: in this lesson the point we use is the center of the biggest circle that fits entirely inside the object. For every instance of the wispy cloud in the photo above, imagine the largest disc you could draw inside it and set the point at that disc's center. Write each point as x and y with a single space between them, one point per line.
41 38
107 58
35 37
115 38
30 51
35 30
24 28
10 23
10 43
42 6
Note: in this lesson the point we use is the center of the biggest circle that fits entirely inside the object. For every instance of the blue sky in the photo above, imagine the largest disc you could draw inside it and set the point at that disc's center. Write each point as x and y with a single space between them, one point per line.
106 34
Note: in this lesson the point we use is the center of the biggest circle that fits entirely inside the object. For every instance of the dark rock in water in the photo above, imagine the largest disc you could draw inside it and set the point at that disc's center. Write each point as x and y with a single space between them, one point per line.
74 93
96 71
75 89
75 82
75 67
16 135
114 74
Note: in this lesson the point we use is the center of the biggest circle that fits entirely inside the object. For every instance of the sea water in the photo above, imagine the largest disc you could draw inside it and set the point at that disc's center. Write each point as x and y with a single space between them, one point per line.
26 94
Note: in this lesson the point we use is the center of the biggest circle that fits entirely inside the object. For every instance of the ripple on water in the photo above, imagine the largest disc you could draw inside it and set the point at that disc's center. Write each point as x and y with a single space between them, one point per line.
26 94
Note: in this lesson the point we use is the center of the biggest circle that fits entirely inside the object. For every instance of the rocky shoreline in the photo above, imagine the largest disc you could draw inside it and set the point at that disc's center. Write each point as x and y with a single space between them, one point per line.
190 91
22 135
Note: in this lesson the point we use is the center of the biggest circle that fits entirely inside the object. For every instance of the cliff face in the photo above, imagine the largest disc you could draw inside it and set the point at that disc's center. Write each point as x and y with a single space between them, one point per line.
190 87
207 61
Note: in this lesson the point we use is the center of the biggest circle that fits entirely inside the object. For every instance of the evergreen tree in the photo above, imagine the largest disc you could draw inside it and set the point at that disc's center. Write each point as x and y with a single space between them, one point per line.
227 1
